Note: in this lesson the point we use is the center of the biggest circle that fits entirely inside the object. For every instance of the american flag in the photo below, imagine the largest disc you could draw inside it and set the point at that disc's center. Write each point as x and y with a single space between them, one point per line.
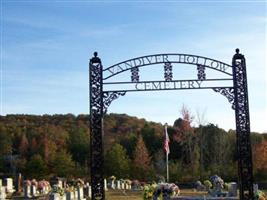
167 141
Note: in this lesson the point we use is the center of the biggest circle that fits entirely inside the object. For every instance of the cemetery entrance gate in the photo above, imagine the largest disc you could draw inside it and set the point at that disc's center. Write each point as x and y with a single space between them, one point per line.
233 86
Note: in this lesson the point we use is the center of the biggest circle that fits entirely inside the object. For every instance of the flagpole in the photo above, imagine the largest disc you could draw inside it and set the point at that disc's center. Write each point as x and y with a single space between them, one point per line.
167 153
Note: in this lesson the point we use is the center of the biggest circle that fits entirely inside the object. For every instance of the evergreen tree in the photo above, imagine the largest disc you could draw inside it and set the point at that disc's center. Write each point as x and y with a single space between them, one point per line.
117 162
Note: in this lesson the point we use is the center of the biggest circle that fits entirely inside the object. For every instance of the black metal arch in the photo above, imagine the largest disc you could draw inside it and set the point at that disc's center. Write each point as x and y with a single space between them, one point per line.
166 58
236 93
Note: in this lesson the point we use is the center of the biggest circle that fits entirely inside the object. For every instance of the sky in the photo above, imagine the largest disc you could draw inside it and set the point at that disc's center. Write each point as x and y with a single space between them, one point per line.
46 45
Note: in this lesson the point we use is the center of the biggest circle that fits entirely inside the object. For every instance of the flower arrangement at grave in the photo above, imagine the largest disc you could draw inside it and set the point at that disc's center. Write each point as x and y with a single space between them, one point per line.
43 186
207 185
260 195
160 191
34 182
58 190
148 191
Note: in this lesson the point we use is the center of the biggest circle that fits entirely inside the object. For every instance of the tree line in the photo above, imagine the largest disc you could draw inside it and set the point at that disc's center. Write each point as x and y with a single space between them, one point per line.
59 145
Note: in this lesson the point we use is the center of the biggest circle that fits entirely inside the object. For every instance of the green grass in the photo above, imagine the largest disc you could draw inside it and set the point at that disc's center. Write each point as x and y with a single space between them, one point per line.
120 195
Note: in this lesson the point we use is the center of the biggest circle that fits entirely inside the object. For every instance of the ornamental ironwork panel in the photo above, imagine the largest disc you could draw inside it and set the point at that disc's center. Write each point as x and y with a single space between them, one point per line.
109 97
201 75
96 115
228 93
135 74
168 71
242 127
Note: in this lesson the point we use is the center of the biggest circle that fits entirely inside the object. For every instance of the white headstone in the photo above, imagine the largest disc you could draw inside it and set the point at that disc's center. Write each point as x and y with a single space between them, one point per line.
113 184
69 196
123 186
90 192
33 190
2 192
9 185
80 193
60 184
105 185
130 186
255 188
1 183
75 194
54 196
118 185
27 191
232 189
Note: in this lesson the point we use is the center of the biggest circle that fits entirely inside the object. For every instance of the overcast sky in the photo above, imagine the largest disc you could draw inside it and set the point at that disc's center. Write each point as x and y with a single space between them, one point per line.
46 45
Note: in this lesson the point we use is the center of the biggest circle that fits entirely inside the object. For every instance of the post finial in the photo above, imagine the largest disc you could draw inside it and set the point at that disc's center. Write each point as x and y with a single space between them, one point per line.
95 59
237 50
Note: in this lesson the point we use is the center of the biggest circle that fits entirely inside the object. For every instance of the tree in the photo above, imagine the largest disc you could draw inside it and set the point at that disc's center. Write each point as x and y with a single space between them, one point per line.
141 156
117 162
62 164
36 167
23 146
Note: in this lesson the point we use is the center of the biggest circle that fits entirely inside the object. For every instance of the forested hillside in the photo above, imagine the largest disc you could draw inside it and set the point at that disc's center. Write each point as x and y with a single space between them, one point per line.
49 145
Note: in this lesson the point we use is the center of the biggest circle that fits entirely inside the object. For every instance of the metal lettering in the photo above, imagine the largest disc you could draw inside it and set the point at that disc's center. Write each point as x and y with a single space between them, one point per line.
149 61
199 83
140 62
182 84
165 58
167 85
156 86
137 85
119 68
191 84
211 64
157 58
147 86
188 59
180 58
128 65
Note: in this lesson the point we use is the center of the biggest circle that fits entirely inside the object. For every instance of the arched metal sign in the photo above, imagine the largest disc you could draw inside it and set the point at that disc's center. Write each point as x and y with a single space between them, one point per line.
232 85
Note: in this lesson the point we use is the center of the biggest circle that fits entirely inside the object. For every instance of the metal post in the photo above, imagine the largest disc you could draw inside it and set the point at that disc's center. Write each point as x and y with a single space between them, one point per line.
245 172
96 127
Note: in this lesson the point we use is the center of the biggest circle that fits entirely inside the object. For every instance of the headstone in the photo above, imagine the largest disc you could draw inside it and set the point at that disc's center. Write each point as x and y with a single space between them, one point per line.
33 190
105 185
2 192
1 183
54 196
255 188
113 184
90 192
118 185
69 196
75 194
9 185
27 191
232 189
123 186
80 193
130 186
60 183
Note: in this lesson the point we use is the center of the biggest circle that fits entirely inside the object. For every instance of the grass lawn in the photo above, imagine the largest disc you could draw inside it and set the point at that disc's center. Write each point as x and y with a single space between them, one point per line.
120 195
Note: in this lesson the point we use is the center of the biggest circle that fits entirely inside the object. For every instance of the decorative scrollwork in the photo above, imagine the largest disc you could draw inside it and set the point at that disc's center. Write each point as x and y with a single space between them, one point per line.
96 114
135 74
168 71
108 97
201 75
228 93
242 127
